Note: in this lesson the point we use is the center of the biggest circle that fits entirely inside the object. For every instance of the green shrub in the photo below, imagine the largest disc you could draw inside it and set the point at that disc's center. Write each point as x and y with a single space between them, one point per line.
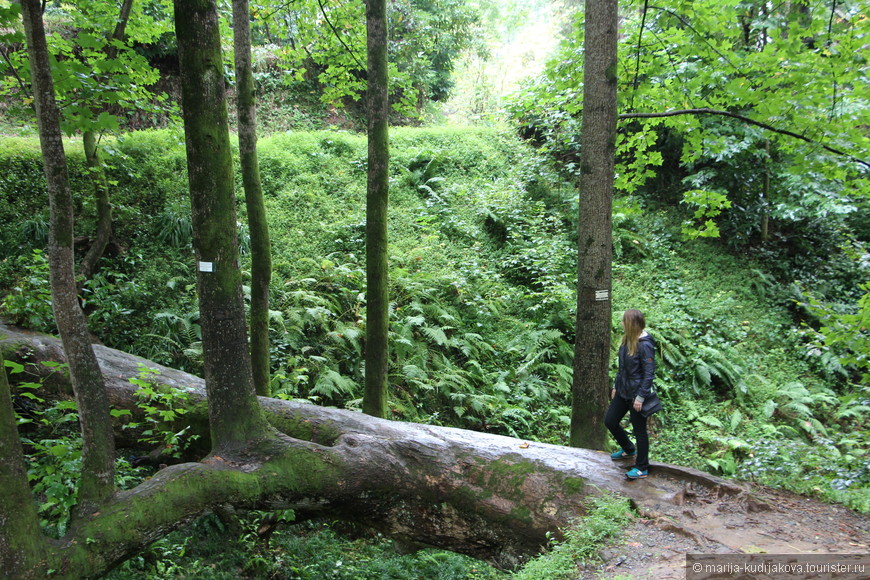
28 302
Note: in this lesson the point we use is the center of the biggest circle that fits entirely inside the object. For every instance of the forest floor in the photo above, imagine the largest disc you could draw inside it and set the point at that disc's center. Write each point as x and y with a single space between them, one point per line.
682 518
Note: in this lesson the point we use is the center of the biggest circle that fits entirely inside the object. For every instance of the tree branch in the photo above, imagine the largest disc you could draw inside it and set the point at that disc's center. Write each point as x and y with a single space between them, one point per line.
338 36
744 119
634 82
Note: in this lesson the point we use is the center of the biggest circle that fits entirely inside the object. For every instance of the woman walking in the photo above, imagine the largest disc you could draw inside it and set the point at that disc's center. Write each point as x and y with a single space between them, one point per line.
634 380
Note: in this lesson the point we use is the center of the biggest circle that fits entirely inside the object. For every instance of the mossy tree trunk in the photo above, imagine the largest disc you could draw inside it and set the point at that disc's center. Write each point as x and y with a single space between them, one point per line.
377 267
98 453
103 205
20 539
261 257
590 387
235 417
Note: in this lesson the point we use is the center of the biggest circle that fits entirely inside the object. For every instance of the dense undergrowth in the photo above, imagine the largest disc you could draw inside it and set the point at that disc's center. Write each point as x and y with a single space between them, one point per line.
482 284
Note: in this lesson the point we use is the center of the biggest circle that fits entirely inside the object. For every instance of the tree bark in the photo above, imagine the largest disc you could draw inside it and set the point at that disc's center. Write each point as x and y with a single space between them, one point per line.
377 267
261 253
104 207
98 453
590 386
234 416
20 538
495 498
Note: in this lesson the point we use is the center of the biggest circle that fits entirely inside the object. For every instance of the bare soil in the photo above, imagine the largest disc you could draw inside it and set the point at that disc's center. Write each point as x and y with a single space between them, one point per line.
680 517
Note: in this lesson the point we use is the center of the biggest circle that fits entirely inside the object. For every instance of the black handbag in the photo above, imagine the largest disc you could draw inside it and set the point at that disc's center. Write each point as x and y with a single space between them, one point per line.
651 405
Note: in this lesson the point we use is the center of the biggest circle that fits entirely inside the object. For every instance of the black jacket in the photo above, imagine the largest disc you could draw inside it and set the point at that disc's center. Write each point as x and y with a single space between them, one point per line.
634 378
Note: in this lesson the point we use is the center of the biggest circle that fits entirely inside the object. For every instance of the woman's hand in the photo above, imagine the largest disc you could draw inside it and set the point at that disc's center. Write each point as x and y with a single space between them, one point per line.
637 405
612 393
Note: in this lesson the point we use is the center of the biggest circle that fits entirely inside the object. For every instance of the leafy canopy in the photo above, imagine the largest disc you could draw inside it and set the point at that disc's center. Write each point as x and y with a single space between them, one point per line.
790 76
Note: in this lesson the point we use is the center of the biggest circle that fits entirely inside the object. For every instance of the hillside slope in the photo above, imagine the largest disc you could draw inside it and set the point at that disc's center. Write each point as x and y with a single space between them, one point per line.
483 270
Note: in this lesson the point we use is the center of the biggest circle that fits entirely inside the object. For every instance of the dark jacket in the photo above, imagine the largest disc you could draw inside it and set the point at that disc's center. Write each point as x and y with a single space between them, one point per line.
634 379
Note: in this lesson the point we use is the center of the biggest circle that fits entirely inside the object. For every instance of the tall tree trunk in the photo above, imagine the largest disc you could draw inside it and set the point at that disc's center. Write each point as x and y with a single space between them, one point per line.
377 267
20 538
234 415
104 207
95 169
590 386
98 454
261 258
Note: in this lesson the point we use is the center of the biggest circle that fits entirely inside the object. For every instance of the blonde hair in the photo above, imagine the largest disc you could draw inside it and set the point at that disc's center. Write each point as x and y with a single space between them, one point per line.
633 322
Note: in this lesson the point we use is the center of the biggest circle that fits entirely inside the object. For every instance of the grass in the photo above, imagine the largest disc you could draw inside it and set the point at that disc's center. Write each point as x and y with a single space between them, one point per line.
608 517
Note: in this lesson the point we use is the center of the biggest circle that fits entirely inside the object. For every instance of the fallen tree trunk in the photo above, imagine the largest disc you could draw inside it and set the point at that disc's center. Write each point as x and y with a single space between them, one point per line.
492 497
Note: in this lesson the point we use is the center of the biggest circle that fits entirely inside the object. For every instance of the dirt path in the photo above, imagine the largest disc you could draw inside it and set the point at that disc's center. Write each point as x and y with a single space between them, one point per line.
680 518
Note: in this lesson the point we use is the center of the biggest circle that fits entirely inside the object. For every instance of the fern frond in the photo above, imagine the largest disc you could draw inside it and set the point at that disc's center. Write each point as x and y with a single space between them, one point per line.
331 383
436 334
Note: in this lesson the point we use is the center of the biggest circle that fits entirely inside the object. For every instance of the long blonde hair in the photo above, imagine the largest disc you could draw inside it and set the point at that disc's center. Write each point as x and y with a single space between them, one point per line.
633 322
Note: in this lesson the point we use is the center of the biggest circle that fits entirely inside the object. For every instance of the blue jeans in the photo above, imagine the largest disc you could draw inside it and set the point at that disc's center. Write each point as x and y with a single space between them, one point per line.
617 410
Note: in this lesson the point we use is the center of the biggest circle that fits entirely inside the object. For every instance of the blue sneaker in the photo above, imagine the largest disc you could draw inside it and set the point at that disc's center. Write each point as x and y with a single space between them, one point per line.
636 473
621 454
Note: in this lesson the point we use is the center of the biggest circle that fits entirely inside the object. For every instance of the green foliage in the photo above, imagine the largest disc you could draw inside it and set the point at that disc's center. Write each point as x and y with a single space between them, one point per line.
228 547
178 339
607 518
52 440
322 46
704 366
842 339
22 184
174 226
96 77
28 303
52 446
753 184
150 168
163 408
832 470
708 205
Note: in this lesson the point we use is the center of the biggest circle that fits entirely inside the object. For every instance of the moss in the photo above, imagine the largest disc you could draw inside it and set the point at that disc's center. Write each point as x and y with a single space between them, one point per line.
573 485
521 513
178 494
510 471
297 426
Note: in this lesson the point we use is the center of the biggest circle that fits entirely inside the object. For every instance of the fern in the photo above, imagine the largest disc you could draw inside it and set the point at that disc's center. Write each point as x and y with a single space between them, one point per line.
762 283
670 349
174 227
179 336
331 384
736 419
437 335
704 364
853 407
